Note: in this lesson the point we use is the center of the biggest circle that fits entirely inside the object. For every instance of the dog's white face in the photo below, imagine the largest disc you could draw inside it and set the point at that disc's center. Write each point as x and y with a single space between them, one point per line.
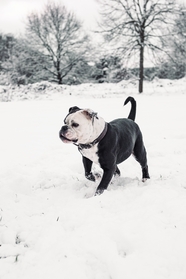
82 126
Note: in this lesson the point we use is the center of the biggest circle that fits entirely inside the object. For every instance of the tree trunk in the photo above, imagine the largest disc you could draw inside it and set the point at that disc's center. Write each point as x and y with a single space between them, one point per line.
59 75
141 62
141 69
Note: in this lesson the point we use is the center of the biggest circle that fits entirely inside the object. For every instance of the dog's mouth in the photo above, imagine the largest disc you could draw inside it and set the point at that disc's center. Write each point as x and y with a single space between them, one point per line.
66 140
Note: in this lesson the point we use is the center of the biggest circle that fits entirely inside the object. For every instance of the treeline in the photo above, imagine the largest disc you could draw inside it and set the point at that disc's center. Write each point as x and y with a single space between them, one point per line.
56 48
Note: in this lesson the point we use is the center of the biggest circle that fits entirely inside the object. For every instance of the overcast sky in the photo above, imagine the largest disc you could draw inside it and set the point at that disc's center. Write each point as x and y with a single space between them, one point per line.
13 13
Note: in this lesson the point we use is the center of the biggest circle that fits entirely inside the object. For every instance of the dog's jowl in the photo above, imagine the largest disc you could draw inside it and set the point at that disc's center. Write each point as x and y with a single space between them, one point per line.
106 144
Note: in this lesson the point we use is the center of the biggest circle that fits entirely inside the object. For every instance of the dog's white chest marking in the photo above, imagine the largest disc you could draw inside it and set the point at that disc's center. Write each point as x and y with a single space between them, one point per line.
91 153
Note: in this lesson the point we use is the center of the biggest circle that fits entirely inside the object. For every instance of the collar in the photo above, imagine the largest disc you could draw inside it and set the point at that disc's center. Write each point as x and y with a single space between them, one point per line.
89 145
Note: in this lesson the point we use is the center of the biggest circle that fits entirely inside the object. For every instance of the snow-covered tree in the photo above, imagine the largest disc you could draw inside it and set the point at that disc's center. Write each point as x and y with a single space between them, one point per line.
179 42
58 34
136 25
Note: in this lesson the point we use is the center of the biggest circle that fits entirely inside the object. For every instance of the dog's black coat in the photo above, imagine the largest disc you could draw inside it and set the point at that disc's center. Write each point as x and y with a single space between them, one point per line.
123 138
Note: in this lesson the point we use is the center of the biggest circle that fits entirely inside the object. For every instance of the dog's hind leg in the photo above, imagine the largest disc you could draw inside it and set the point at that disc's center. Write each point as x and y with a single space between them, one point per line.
140 155
117 171
145 173
88 166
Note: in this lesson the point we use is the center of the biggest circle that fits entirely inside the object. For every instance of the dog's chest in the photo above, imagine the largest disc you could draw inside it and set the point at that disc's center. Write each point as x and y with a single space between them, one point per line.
91 153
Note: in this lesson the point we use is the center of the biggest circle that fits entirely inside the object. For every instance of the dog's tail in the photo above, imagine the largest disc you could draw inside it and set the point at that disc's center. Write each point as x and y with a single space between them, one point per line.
132 113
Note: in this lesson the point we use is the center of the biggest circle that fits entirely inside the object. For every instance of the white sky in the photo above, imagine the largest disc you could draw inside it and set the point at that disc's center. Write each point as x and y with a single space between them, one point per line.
13 13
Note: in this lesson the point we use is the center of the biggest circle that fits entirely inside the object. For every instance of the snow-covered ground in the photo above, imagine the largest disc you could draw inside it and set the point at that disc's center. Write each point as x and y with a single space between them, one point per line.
52 226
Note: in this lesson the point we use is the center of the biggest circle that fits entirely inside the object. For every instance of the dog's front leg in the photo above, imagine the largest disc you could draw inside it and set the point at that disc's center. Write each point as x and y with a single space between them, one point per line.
88 166
107 176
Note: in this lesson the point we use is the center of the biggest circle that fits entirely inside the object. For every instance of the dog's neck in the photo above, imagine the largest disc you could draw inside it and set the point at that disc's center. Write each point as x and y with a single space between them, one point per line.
99 131
98 128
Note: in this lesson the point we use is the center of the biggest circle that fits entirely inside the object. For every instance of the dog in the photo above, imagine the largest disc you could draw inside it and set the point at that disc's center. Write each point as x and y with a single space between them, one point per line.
106 144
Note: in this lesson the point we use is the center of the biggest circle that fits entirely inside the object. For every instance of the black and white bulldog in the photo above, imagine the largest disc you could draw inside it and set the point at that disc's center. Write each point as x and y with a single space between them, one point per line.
106 144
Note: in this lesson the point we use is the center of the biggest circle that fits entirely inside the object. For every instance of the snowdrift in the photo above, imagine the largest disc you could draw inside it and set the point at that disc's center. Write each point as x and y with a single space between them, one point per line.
52 226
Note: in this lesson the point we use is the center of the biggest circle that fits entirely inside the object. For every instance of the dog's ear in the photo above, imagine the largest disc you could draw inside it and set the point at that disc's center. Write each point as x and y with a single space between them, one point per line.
89 114
73 109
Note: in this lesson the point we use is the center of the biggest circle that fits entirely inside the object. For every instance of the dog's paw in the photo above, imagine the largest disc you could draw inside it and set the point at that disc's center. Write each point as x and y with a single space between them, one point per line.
99 192
145 179
144 182
90 177
97 175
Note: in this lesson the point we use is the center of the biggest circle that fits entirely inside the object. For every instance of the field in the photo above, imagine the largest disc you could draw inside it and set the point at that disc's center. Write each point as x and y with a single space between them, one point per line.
52 226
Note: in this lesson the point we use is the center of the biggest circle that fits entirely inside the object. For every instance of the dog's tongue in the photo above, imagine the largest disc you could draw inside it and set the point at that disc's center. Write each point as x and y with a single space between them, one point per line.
65 140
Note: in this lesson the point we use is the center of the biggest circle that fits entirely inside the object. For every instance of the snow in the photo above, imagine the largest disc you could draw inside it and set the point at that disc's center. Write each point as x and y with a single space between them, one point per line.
52 226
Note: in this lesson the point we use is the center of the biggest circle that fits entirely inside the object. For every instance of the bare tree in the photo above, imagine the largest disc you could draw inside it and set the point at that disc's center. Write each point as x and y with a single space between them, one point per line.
174 66
58 34
6 45
24 64
134 25
179 42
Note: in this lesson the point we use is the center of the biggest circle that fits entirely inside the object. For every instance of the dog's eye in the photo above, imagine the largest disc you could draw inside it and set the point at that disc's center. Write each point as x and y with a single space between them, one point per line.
75 125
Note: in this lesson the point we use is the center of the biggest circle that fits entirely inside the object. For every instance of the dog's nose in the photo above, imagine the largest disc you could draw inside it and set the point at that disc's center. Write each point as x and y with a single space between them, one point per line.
63 130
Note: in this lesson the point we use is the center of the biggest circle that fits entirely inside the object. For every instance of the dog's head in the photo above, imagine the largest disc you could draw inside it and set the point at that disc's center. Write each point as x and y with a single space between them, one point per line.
78 126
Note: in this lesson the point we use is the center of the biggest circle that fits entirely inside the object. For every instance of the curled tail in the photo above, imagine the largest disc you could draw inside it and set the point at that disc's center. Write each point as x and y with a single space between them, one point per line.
132 113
